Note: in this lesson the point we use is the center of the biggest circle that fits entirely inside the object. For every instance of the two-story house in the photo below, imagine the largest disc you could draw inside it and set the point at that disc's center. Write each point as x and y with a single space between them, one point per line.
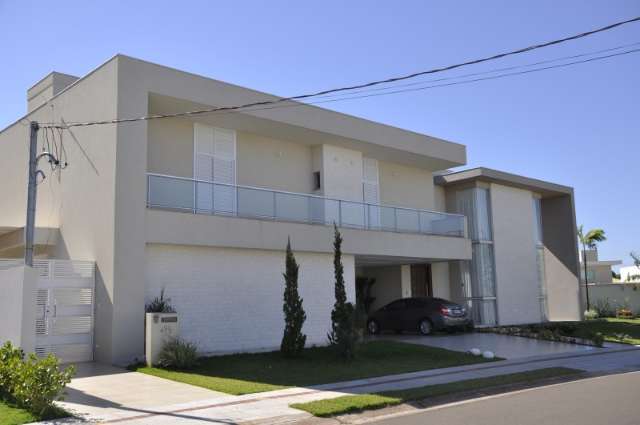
202 206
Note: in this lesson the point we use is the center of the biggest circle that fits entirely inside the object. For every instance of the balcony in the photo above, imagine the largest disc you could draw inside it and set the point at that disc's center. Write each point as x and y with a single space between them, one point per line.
202 197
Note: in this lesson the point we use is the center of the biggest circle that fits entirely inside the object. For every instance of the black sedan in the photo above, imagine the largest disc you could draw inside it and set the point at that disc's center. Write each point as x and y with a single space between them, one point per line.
424 315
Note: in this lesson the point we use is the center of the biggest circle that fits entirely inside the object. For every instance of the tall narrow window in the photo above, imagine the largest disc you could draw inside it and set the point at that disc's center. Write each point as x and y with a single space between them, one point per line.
481 287
371 192
539 246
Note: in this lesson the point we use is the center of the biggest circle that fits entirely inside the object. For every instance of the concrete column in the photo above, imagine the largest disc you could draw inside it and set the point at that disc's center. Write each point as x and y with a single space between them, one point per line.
405 280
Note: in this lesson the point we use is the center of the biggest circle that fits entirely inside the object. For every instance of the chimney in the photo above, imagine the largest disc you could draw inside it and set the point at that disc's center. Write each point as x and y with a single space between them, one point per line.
48 87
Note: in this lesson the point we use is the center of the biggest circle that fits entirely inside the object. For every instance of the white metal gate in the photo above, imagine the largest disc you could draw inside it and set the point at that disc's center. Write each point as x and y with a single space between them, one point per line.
64 308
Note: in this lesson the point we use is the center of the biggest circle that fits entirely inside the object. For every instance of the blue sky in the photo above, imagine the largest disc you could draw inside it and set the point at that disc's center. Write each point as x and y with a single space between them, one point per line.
578 126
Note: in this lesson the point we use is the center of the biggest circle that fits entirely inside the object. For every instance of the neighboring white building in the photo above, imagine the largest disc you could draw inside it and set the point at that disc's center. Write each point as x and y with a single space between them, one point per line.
598 271
629 274
203 206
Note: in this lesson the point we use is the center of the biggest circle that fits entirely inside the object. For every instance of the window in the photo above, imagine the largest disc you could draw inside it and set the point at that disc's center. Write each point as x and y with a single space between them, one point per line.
539 246
478 275
396 305
316 180
416 303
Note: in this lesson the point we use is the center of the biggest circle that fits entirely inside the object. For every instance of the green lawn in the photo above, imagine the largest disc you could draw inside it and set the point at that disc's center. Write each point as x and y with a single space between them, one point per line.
10 415
358 403
250 373
615 330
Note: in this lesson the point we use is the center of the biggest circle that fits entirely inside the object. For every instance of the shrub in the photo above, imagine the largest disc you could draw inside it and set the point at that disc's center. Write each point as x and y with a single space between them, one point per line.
591 314
604 308
31 383
293 339
598 339
178 354
41 383
11 359
160 305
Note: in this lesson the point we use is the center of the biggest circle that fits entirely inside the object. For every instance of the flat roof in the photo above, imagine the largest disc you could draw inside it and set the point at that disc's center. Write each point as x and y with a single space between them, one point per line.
438 153
494 176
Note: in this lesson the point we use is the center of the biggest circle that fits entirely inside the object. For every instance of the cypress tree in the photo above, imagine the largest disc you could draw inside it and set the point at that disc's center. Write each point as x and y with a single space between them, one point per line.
293 339
343 333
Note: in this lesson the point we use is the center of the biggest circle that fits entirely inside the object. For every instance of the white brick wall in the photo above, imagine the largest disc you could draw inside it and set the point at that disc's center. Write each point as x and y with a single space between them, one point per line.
230 300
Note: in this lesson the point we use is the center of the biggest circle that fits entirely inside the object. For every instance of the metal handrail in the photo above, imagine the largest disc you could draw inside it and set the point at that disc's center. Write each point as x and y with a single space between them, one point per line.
366 205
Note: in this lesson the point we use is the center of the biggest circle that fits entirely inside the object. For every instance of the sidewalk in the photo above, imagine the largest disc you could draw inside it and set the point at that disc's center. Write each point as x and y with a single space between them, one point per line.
273 407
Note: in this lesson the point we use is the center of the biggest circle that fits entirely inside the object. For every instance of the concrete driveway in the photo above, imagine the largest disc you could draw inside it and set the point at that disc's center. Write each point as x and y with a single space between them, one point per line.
102 392
505 346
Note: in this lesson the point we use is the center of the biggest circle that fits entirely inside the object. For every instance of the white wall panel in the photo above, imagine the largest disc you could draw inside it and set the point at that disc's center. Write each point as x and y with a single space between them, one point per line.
230 300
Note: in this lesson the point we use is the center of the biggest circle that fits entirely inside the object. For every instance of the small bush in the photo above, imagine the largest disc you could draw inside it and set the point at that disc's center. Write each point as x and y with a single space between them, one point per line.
591 314
11 359
603 308
31 383
178 354
598 339
160 305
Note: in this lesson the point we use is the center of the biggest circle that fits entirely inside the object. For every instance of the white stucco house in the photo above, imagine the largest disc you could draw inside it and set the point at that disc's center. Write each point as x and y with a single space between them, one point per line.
598 271
203 206
630 274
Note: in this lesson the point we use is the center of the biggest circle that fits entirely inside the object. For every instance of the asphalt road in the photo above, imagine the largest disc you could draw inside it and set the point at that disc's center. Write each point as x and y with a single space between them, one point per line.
612 399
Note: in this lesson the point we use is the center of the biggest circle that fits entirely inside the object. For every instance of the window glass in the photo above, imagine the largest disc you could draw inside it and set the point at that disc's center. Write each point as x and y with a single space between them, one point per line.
396 305
474 203
482 215
482 271
416 303
537 220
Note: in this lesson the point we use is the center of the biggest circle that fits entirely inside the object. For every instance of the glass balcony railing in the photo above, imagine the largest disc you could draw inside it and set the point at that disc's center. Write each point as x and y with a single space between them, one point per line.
202 197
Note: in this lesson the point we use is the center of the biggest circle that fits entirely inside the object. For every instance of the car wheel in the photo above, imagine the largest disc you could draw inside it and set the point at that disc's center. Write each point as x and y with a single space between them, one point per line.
373 327
425 327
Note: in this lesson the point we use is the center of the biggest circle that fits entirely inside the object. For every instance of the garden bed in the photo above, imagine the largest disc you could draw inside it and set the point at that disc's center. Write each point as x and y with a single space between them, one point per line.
565 332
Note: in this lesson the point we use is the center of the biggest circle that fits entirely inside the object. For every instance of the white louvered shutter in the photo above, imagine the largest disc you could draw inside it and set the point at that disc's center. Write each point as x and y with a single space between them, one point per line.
224 170
214 161
371 191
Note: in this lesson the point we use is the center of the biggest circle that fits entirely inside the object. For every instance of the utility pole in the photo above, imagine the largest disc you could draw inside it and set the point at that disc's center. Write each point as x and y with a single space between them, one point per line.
32 190
31 194
586 276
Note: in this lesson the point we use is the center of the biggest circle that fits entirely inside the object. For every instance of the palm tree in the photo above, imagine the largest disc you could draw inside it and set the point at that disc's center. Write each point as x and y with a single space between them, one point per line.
590 240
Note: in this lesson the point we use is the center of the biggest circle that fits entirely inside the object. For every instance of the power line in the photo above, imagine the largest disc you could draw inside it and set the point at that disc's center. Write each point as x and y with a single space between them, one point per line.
494 77
358 86
491 71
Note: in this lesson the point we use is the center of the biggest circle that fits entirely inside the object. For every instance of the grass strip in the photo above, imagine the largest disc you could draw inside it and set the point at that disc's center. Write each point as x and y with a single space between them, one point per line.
12 415
361 402
239 374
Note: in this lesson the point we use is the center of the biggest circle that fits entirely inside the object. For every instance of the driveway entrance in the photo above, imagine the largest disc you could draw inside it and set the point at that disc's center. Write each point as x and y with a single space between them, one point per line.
505 346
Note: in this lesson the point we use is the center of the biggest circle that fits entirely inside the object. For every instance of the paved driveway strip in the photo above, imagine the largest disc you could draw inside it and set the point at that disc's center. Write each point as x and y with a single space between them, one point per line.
272 407
505 346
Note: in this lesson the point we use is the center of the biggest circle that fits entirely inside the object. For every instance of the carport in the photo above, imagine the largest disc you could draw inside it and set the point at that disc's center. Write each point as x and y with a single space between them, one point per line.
391 278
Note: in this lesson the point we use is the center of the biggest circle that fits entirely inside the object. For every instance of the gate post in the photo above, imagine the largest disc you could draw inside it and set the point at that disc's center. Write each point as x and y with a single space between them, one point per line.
18 307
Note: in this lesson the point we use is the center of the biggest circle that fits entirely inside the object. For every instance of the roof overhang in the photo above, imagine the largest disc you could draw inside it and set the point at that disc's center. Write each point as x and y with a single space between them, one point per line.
310 125
488 175
14 238
604 263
